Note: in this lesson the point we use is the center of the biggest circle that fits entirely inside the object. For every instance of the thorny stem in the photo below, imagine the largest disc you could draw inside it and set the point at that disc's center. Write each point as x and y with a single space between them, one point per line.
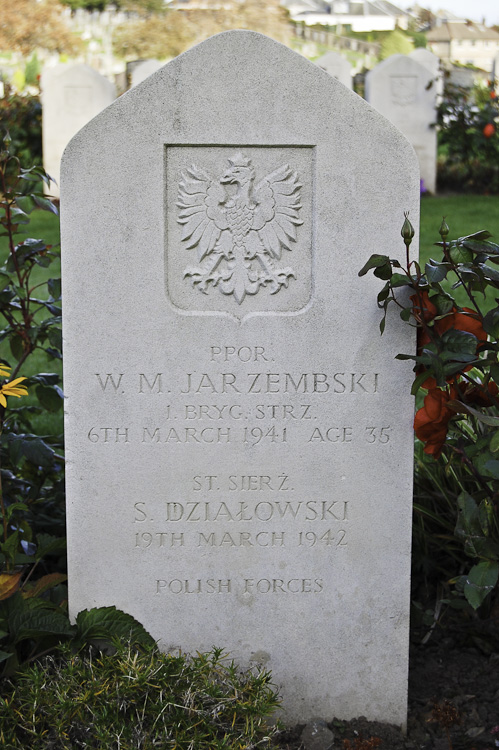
463 284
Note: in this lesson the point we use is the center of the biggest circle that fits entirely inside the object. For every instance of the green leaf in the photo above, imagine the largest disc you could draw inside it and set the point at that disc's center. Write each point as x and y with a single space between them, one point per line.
106 623
45 378
4 280
25 203
443 302
36 622
44 203
488 272
55 338
460 254
54 287
494 442
49 545
4 655
16 346
461 408
49 398
492 468
459 342
383 272
36 451
480 581
481 235
436 272
406 313
491 323
375 261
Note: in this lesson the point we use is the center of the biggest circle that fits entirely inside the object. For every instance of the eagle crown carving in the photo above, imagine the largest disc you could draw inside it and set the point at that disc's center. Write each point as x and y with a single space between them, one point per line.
239 229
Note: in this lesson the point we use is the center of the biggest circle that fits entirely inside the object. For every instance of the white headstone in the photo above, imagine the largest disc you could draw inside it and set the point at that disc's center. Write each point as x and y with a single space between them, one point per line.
399 88
337 66
238 437
426 58
71 96
143 70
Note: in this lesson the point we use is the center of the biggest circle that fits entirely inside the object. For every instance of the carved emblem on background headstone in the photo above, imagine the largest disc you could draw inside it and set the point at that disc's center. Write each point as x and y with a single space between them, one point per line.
239 229
403 89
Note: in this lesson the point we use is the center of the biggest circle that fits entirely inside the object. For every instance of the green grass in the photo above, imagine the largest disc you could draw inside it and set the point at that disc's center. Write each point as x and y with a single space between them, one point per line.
465 214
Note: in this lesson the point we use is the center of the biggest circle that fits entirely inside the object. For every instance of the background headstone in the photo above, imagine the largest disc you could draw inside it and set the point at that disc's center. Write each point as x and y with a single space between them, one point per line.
398 88
337 66
71 96
143 70
428 60
238 438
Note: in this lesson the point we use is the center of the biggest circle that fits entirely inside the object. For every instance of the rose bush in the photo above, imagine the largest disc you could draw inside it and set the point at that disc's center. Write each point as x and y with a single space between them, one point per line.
456 378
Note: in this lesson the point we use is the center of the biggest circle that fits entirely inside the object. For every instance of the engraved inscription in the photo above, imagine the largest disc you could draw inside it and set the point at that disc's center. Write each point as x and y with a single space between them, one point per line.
239 229
246 586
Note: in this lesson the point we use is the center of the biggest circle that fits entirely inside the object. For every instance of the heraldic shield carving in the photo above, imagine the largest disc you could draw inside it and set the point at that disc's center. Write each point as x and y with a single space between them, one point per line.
241 224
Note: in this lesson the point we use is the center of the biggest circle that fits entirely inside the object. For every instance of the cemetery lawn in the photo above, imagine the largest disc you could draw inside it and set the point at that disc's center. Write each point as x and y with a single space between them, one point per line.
465 214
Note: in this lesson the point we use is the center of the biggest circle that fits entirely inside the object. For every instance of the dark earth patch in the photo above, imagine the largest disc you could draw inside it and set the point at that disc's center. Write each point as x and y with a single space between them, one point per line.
449 678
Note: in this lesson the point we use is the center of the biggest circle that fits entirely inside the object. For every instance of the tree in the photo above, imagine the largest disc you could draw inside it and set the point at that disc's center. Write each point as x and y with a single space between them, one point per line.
142 7
26 25
173 32
159 36
395 43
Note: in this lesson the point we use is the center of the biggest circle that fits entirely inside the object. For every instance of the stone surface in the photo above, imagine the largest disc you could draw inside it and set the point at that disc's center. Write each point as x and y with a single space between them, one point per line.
143 70
238 437
317 736
398 88
337 66
71 96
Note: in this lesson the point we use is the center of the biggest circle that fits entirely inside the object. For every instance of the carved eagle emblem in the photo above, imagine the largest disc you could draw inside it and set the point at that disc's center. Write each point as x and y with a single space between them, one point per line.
239 229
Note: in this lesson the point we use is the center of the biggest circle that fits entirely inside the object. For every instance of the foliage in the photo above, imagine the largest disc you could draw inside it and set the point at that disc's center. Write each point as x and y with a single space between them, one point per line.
21 117
395 43
31 469
136 698
469 138
133 6
158 37
32 70
457 371
169 34
30 24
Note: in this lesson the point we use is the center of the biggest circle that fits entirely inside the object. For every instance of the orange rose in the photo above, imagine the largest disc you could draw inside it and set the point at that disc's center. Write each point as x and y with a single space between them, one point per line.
432 420
489 130
422 307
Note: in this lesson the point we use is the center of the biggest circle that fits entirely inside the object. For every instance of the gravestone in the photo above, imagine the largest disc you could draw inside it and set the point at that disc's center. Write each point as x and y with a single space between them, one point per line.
143 70
399 88
238 437
337 66
71 96
430 61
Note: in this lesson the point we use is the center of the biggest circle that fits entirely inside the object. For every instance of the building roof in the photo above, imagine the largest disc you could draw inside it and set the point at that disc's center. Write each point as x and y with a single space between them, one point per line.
451 30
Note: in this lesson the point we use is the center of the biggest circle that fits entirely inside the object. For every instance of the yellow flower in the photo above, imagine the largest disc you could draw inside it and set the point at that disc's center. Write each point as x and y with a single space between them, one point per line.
4 370
12 389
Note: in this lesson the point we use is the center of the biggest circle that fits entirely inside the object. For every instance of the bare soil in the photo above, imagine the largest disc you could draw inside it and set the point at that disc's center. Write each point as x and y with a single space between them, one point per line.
454 680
